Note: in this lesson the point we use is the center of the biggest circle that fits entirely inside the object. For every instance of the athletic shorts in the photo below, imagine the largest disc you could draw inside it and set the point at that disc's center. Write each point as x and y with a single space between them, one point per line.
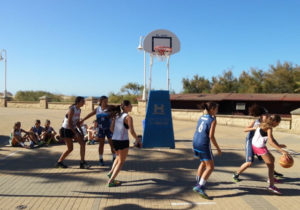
120 144
66 133
204 155
260 150
104 132
249 151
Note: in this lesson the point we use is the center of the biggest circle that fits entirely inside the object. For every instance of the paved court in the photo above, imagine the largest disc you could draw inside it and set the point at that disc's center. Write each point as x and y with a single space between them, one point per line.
152 178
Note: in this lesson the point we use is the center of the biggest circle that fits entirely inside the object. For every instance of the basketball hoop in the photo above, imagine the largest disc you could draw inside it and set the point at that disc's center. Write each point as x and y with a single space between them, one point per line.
162 52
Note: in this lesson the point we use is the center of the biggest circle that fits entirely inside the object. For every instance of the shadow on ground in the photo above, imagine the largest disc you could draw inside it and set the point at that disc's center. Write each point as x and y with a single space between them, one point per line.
168 174
4 141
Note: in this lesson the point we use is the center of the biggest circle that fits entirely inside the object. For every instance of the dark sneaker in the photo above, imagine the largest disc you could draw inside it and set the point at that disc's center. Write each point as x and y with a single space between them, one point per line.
278 175
101 162
274 190
60 165
109 175
84 165
200 190
235 177
114 183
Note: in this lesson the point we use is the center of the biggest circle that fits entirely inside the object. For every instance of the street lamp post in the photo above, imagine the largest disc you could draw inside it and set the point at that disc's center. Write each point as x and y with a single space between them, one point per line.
140 47
5 68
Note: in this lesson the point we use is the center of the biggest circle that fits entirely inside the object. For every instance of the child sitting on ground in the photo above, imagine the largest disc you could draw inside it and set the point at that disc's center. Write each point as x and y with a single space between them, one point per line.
36 134
16 139
92 132
49 134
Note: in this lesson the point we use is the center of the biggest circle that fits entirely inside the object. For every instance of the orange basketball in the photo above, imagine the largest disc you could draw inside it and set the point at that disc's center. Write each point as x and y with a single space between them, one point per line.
286 163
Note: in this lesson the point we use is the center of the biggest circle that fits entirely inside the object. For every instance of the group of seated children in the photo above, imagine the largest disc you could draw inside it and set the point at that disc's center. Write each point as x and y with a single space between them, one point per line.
37 135
46 135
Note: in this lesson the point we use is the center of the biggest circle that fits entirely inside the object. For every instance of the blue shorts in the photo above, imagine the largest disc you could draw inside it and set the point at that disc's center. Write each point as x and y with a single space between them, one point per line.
204 155
104 132
249 151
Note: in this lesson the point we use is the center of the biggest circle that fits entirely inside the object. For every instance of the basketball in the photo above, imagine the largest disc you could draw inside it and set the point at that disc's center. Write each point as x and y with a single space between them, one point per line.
286 163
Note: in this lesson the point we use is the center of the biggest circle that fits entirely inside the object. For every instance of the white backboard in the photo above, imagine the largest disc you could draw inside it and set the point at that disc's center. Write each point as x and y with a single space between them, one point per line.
161 37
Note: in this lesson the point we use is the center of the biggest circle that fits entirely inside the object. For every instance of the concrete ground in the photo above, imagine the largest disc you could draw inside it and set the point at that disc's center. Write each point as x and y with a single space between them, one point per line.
152 178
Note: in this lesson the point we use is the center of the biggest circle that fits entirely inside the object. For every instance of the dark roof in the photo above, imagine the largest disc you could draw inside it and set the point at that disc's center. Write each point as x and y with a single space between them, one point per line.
236 97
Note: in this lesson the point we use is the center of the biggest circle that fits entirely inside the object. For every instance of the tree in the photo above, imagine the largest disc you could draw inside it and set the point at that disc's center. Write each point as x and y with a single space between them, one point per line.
251 83
226 83
35 96
196 85
132 89
280 79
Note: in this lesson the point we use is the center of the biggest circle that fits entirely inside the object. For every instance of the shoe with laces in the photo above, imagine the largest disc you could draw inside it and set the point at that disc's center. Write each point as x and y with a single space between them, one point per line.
60 165
201 191
84 165
274 190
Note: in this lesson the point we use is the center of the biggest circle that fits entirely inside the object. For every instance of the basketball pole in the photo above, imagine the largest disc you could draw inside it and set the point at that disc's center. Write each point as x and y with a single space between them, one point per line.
144 89
150 73
168 72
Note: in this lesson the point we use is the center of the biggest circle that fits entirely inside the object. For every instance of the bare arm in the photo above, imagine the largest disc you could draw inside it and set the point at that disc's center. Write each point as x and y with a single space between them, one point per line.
70 116
250 127
274 143
89 115
131 128
212 136
112 125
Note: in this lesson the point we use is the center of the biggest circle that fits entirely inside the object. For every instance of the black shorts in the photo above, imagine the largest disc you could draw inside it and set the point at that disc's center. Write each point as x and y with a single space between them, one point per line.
120 144
66 133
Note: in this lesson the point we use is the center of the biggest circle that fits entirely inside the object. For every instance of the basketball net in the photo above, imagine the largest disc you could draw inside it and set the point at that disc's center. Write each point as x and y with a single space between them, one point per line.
162 52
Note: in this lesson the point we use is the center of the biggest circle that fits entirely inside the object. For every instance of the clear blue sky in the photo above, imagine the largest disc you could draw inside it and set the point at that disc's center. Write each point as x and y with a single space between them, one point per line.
88 47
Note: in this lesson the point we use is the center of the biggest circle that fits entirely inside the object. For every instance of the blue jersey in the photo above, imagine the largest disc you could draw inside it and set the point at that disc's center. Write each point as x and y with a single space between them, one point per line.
201 141
103 118
38 130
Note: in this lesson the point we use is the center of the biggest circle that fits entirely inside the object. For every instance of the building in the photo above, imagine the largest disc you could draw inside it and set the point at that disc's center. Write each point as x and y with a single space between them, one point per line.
238 103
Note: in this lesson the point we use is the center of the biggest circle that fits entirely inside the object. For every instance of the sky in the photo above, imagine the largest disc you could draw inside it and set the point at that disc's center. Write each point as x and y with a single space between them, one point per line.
89 47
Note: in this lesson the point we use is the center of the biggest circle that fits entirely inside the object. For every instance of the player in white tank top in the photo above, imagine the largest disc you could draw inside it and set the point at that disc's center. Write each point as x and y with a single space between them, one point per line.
120 131
120 126
69 131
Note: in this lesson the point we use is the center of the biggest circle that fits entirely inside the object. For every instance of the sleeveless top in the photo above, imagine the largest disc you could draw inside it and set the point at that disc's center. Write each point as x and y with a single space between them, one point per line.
120 131
49 129
103 118
75 118
16 132
251 133
201 139
260 138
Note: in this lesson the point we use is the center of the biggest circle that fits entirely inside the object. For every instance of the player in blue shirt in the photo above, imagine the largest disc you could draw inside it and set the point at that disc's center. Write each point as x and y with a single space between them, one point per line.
103 117
204 134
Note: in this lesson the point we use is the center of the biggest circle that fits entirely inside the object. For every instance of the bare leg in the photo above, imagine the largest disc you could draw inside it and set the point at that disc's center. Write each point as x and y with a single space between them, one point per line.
122 157
101 145
209 167
69 144
243 167
269 160
201 169
111 146
117 160
82 147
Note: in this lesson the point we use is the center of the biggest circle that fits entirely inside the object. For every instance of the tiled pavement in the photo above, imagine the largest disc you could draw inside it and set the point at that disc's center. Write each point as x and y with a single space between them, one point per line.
152 178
